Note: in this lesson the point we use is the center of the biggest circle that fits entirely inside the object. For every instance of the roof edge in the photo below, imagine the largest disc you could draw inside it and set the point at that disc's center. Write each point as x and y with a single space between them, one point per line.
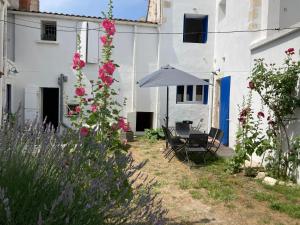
80 17
281 34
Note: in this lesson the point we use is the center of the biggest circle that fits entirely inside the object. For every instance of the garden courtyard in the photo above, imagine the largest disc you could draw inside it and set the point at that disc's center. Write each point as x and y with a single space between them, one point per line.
207 194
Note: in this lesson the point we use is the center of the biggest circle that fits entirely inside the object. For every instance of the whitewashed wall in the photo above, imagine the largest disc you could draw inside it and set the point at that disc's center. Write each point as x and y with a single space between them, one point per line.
232 51
194 58
41 62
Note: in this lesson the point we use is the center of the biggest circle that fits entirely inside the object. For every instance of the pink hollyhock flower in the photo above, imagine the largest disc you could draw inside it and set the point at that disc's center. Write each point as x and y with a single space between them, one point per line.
93 108
80 91
290 51
245 112
109 67
109 26
122 124
70 113
84 132
105 41
260 115
77 62
108 80
77 109
251 85
111 31
101 73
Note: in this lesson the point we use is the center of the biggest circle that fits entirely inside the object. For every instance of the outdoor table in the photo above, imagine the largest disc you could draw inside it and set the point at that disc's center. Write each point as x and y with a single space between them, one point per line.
186 135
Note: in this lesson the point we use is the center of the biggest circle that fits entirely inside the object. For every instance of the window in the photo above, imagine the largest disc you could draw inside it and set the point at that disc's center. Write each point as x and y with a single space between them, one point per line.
192 94
195 28
49 30
180 94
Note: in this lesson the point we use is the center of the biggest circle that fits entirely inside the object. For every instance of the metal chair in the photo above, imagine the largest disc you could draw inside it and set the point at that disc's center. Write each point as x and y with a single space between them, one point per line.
215 145
175 144
212 134
182 128
199 125
197 143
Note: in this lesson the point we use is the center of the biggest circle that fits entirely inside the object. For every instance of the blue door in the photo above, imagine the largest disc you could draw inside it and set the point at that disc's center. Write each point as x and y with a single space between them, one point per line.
224 108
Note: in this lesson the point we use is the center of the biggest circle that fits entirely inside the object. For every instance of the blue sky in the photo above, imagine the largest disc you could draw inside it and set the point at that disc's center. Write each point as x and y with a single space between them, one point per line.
125 9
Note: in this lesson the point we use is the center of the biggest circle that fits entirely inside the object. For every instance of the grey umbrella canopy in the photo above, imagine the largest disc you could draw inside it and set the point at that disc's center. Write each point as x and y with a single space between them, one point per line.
169 76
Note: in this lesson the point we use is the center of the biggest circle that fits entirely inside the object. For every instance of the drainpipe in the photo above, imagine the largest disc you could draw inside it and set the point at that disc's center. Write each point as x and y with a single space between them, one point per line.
133 94
61 80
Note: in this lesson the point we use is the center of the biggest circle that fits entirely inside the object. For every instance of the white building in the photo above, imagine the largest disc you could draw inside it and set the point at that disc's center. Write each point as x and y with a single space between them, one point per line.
140 50
235 52
143 47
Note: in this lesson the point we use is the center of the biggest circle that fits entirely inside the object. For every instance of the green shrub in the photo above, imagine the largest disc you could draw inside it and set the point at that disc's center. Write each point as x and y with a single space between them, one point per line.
154 134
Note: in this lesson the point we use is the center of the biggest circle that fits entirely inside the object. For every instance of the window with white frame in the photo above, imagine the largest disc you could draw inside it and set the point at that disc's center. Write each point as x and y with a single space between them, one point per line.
190 94
49 31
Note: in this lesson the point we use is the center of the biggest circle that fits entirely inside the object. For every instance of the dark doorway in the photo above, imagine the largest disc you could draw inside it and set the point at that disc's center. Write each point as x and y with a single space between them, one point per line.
8 99
50 106
144 120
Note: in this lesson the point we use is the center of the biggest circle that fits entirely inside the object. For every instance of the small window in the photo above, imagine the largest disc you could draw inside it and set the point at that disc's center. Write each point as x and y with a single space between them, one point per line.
192 94
180 94
189 93
49 30
199 93
195 28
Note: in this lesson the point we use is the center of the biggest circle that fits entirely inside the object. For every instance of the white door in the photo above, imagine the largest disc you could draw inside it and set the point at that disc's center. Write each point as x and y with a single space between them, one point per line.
32 103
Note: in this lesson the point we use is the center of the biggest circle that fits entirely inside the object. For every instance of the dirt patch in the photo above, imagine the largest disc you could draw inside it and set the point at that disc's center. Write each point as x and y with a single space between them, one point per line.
205 195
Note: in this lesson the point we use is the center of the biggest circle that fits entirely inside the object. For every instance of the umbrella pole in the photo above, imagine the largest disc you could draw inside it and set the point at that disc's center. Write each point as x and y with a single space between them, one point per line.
167 117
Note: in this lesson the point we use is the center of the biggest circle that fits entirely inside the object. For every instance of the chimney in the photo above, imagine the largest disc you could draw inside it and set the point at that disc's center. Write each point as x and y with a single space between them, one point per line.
154 11
24 5
29 5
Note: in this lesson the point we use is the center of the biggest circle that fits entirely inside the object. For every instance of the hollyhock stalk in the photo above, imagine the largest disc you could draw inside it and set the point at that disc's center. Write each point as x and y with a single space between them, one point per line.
102 112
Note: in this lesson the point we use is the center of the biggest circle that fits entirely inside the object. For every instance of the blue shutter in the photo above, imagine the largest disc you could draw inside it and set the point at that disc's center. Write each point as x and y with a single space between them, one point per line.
205 29
205 97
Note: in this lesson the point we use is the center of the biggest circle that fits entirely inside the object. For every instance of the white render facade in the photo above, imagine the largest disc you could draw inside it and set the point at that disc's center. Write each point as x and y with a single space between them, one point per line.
142 48
139 50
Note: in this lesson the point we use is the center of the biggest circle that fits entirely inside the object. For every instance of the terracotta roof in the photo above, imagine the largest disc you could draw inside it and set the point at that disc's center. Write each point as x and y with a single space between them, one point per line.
82 16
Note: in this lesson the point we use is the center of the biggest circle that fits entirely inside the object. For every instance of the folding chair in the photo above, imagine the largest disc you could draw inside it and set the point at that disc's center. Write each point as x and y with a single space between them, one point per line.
182 128
197 143
215 145
175 144
212 134
198 127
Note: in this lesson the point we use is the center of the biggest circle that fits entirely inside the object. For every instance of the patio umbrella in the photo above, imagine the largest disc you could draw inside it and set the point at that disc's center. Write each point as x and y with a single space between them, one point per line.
169 76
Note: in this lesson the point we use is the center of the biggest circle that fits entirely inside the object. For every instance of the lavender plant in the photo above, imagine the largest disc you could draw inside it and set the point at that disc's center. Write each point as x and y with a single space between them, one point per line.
47 178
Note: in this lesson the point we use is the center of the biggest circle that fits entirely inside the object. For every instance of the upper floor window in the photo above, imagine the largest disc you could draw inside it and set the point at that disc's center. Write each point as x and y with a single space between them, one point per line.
192 94
195 28
49 31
